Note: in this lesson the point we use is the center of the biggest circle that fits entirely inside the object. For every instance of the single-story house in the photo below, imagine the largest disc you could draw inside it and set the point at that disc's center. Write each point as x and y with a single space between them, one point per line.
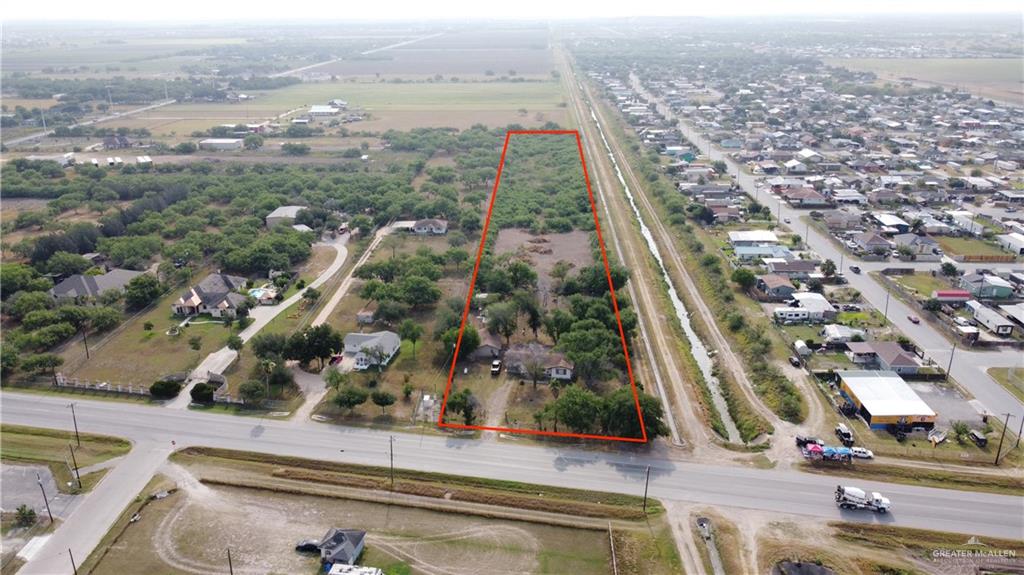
283 215
752 238
796 269
1013 242
919 245
871 242
818 308
839 220
892 221
775 287
990 318
430 226
791 314
341 546
882 398
806 198
221 144
372 349
886 355
985 286
519 358
756 253
835 333
216 295
81 288
953 296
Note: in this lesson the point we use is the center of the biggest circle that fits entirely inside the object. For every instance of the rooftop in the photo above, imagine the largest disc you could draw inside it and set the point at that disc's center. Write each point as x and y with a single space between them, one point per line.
884 393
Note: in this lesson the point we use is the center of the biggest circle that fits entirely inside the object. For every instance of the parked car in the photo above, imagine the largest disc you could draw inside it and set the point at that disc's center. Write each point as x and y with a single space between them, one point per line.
862 453
855 269
495 367
786 220
851 307
308 546
794 361
802 440
844 434
914 319
978 438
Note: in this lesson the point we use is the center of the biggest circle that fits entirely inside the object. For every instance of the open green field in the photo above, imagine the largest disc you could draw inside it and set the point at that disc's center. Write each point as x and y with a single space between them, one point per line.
969 247
923 284
987 77
30 445
398 106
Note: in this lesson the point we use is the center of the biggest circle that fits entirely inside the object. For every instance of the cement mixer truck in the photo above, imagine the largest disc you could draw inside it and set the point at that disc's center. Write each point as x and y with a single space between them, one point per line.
855 498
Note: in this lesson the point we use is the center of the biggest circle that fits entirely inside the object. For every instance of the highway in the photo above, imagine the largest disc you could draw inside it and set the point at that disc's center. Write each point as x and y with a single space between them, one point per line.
114 116
968 367
152 429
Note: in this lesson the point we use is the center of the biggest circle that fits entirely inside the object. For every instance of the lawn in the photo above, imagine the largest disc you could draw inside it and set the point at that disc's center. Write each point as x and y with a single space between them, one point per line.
19 444
923 284
140 357
1012 378
969 247
860 319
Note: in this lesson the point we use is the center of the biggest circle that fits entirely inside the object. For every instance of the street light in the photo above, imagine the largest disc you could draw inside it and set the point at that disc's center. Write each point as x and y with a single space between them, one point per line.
950 366
39 480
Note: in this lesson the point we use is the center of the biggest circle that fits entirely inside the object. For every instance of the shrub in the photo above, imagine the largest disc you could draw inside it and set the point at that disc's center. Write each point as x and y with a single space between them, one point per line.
25 516
202 393
165 389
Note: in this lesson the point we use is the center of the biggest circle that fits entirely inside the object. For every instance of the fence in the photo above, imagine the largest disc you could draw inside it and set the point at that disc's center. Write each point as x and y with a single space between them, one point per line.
60 380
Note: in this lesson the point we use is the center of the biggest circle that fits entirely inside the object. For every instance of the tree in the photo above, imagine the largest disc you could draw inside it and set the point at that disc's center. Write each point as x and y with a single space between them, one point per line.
20 277
252 393
933 305
948 269
621 416
185 148
361 224
336 379
407 390
25 516
390 311
142 291
27 301
195 342
418 291
535 368
42 362
828 268
9 360
503 320
165 389
311 295
321 342
411 331
66 264
102 319
236 344
744 278
557 322
463 402
350 397
269 345
253 142
382 399
580 409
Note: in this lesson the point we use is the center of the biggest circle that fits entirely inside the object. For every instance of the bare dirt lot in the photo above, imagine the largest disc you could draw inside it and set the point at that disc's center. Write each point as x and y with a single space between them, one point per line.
190 531
543 251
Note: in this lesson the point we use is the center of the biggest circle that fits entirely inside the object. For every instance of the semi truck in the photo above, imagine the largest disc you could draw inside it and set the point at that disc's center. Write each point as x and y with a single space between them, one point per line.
856 498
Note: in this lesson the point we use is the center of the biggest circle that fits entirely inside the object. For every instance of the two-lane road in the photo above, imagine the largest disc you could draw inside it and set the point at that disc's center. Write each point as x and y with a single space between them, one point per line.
152 430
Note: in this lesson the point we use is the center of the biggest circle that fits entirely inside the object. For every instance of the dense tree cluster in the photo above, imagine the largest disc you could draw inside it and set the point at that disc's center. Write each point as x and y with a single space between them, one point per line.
583 411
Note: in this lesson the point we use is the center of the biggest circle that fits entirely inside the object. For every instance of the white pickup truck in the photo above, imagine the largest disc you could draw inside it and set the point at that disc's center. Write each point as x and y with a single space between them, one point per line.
855 498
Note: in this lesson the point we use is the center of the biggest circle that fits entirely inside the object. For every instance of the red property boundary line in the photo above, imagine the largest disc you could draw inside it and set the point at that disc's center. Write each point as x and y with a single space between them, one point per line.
615 304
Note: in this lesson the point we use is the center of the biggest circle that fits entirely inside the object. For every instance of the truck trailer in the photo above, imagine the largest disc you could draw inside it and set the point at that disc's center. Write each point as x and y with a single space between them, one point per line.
856 498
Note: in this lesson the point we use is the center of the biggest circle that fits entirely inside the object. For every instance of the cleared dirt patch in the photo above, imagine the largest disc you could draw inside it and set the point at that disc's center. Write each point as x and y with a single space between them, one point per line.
543 251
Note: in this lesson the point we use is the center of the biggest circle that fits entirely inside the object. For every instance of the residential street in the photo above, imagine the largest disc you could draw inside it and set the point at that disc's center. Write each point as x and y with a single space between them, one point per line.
152 429
969 367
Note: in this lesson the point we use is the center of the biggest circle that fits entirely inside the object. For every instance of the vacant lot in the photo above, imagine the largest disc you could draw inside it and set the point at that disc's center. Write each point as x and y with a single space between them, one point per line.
260 510
923 284
969 247
1012 378
19 444
543 251
987 77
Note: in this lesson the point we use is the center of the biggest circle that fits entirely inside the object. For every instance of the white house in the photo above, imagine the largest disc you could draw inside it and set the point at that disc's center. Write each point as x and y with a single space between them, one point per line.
752 238
990 318
1013 242
431 227
283 215
221 144
372 349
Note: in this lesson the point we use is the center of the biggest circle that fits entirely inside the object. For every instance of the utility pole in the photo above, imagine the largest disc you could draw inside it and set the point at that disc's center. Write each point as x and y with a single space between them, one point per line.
231 568
647 483
391 443
78 438
1002 435
74 460
72 557
1019 431
85 340
39 480
950 366
886 313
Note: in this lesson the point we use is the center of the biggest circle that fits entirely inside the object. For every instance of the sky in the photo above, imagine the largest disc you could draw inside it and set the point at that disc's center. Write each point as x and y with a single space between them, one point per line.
269 11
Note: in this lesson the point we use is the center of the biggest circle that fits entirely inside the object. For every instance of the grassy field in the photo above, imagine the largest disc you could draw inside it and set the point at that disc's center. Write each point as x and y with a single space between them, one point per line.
390 105
969 247
1012 378
260 507
19 444
989 77
923 284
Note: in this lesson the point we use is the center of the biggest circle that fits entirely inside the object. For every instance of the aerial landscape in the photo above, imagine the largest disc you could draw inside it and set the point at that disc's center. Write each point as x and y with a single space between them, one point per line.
505 290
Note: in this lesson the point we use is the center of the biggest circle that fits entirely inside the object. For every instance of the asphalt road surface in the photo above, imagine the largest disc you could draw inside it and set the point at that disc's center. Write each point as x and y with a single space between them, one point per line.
152 429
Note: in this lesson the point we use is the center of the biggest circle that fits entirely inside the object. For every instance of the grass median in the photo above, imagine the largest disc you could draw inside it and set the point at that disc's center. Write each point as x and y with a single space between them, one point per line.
31 445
